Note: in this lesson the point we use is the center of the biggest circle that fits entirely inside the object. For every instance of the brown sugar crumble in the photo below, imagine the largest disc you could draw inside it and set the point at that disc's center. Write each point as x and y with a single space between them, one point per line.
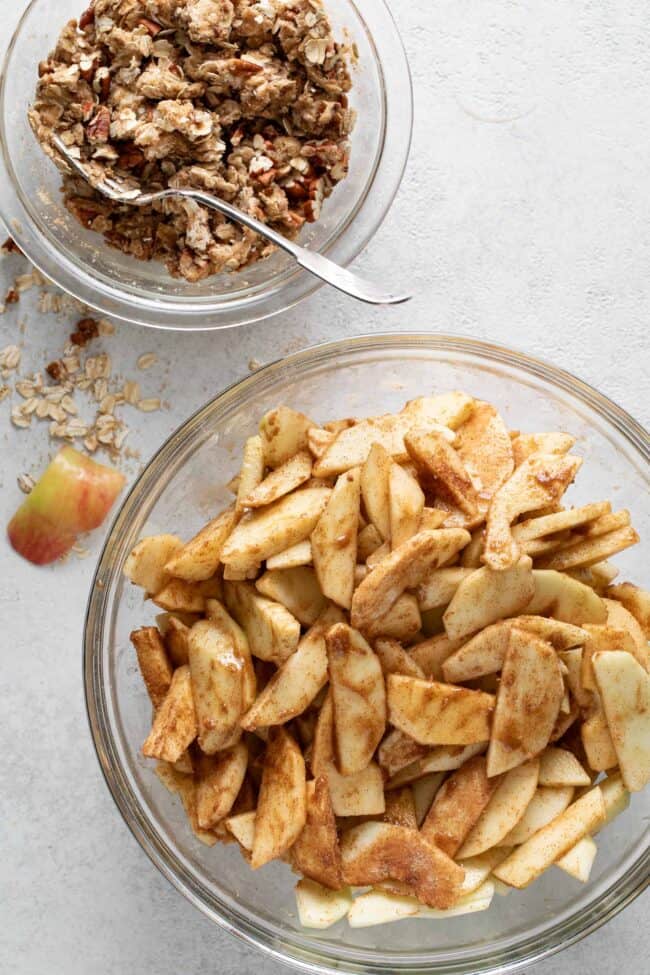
86 330
243 98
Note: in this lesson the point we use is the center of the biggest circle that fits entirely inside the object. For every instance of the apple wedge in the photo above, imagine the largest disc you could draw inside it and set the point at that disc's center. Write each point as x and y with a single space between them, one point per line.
400 808
559 521
430 655
294 686
368 541
220 778
361 794
528 702
458 805
439 588
401 622
537 482
281 481
251 472
175 633
442 758
620 618
526 444
175 723
274 528
583 553
559 767
200 558
615 796
185 787
334 540
316 853
283 432
551 842
295 589
73 495
282 803
216 612
395 660
438 714
485 449
503 811
319 907
544 807
242 827
406 505
635 600
398 751
486 596
156 670
217 685
602 636
625 692
145 565
179 596
558 595
403 569
273 633
441 472
597 741
374 852
358 697
579 860
375 488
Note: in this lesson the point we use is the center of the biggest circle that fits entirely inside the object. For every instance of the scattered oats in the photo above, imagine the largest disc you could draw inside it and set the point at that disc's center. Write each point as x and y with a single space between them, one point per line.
106 437
120 437
100 389
29 406
105 327
24 282
90 443
24 388
57 430
98 366
107 405
149 405
254 364
18 419
69 405
4 392
55 412
10 357
80 551
83 383
71 363
47 302
37 379
147 360
54 393
40 278
43 409
132 392
316 49
26 482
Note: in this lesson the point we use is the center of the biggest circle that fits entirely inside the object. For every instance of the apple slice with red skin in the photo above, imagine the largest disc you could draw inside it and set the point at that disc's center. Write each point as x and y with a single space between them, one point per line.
74 495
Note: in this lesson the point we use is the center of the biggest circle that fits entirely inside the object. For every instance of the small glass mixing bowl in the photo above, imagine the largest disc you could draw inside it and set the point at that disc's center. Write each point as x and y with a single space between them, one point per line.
81 263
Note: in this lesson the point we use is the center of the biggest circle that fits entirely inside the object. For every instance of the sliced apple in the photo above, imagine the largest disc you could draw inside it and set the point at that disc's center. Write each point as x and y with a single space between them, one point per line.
579 860
242 827
597 740
583 553
544 807
216 612
400 808
154 664
485 449
252 471
282 803
525 445
318 906
439 588
316 853
368 541
358 697
175 633
625 692
539 481
73 495
615 796
438 714
504 809
551 842
145 566
274 528
559 767
395 660
458 805
200 558
558 595
403 569
334 540
294 686
430 655
298 554
397 751
635 600
406 506
559 521
175 723
281 481
295 589
441 471
217 685
218 784
528 702
602 636
283 433
273 632
401 622
486 596
619 617
375 488
373 852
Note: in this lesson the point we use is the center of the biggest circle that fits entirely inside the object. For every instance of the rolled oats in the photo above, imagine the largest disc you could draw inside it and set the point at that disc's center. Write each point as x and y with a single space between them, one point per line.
220 95
147 360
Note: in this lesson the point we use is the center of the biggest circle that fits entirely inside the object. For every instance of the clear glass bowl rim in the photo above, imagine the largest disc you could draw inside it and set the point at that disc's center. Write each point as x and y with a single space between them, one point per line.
283 290
525 952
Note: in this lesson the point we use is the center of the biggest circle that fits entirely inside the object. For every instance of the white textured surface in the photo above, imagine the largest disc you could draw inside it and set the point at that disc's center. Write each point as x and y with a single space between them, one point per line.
523 219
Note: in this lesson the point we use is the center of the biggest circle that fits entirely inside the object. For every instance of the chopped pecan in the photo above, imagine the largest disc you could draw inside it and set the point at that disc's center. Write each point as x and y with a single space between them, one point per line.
98 129
151 26
88 17
12 297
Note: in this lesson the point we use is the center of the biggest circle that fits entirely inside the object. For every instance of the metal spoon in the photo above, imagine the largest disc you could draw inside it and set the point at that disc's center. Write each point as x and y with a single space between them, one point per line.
351 284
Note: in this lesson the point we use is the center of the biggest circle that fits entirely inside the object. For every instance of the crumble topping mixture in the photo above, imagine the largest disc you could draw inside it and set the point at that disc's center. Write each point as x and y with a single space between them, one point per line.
241 98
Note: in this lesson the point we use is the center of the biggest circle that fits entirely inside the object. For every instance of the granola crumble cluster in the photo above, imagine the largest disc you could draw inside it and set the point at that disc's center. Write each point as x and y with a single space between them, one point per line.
244 98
